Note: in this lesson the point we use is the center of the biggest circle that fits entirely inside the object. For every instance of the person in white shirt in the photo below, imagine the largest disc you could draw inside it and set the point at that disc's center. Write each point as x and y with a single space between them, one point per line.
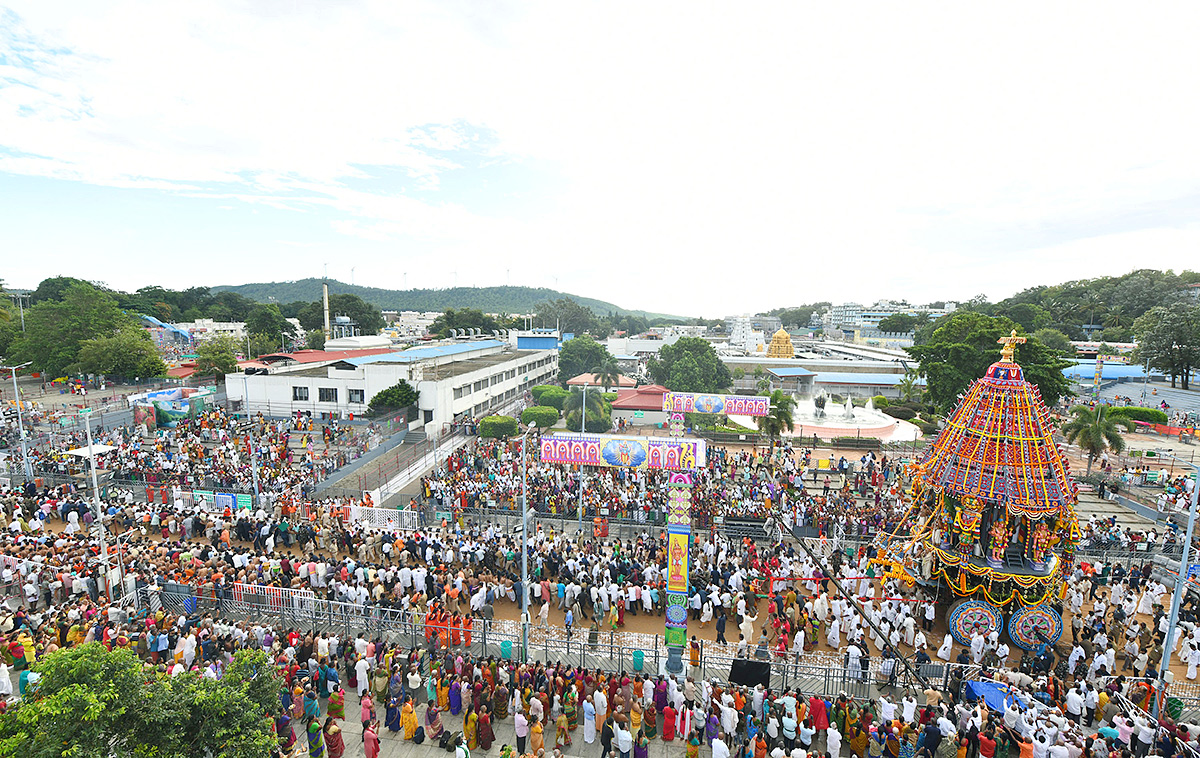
719 748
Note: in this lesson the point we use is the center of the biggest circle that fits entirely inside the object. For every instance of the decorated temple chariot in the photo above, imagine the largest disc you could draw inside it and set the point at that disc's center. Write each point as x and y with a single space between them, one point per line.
993 513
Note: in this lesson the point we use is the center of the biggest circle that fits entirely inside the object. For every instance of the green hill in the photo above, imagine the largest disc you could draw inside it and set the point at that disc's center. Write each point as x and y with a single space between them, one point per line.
486 299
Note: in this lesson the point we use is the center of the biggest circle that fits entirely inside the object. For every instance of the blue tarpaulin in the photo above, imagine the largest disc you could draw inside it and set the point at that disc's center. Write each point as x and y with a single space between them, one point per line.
996 695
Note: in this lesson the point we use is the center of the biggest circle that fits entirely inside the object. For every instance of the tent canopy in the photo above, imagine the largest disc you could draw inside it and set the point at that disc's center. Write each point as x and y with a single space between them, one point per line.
82 452
995 694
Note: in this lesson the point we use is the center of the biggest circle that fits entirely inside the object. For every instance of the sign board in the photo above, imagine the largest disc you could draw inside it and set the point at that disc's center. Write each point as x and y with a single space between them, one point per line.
639 414
1193 569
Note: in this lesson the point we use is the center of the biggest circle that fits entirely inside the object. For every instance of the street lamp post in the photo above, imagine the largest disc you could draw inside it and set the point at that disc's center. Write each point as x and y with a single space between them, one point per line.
1180 581
253 439
25 465
524 549
87 425
582 430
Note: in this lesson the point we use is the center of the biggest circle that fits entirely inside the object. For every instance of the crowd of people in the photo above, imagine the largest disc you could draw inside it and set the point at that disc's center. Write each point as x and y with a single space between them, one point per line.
213 450
762 599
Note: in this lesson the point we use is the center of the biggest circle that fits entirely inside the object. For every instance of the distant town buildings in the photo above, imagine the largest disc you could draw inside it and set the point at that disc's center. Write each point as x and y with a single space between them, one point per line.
851 316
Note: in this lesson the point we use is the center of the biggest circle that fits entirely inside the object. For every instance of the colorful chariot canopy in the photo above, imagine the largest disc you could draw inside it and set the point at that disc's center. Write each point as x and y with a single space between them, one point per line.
998 447
615 451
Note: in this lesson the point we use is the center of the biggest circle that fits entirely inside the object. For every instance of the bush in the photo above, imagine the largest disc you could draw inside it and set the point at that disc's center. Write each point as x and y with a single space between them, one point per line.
904 414
538 389
542 416
554 397
399 395
608 397
1148 415
498 426
859 402
880 401
928 427
595 424
837 399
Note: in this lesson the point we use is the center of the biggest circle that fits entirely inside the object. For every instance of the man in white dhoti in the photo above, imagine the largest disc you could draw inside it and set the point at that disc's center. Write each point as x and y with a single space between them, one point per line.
910 630
833 634
944 651
977 647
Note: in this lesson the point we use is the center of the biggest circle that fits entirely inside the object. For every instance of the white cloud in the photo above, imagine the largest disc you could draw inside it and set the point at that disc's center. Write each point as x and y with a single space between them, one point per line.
712 158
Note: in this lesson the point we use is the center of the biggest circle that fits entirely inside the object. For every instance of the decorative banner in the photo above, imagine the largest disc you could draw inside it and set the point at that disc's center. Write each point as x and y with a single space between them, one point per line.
677 562
676 622
613 451
1098 377
679 499
735 405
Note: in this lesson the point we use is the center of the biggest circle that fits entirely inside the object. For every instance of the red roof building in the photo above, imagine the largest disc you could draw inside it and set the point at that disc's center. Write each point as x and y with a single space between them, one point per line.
648 397
623 382
321 356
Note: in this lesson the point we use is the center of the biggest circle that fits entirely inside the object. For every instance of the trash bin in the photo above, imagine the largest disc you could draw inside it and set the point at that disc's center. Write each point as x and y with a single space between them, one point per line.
639 657
506 650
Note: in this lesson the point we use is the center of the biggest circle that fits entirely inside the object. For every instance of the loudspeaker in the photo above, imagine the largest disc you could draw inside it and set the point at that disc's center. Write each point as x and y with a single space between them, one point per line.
750 673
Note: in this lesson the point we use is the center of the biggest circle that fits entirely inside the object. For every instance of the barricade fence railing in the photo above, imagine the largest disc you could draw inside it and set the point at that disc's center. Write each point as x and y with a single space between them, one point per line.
820 672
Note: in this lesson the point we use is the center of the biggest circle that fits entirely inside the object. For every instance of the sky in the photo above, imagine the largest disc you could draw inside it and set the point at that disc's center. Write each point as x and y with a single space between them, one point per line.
689 158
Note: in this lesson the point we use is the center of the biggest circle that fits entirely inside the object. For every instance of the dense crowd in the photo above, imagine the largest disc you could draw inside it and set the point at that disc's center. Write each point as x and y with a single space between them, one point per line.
452 577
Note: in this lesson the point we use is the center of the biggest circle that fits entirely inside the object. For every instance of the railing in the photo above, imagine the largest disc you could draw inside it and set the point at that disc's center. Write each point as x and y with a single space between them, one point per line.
823 673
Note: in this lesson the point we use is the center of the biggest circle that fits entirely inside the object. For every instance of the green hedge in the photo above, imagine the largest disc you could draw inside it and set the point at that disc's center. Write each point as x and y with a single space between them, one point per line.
1148 415
904 414
498 426
554 397
541 416
537 390
929 427
880 401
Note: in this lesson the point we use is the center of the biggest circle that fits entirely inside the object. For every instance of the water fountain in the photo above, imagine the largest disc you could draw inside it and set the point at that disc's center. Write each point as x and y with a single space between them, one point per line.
811 418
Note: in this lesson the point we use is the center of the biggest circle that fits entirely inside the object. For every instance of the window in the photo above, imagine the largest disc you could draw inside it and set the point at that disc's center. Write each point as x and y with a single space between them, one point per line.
327 394
299 393
358 396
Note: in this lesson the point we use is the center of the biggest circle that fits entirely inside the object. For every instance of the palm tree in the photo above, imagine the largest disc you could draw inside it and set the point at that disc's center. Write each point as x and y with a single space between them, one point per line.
910 388
574 401
1095 431
780 417
607 373
1115 317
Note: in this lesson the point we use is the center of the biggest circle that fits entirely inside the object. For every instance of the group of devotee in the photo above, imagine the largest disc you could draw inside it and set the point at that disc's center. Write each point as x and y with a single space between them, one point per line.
762 599
213 450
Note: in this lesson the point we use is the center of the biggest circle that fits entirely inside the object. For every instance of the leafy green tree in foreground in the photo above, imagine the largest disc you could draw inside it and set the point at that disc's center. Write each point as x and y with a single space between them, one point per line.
578 356
56 329
95 702
1095 430
963 346
1169 336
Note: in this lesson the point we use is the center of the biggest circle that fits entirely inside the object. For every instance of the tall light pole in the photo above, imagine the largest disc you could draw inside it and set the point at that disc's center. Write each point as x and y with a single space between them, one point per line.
524 549
253 440
1179 582
582 430
25 465
1145 381
87 425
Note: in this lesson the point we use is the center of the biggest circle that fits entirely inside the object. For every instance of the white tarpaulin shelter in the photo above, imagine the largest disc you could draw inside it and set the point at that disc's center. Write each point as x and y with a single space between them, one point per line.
82 452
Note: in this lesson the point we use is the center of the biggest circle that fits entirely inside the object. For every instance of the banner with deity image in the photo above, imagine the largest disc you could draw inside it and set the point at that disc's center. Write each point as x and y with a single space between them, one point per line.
730 405
614 451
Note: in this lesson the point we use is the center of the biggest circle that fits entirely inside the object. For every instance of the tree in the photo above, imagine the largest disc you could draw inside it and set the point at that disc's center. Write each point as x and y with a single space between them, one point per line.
399 395
910 386
595 423
1169 336
96 702
266 319
690 365
55 329
54 289
129 354
578 355
541 416
901 323
569 316
607 372
1055 340
1096 430
961 349
574 401
497 426
555 398
217 357
463 319
368 318
779 418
